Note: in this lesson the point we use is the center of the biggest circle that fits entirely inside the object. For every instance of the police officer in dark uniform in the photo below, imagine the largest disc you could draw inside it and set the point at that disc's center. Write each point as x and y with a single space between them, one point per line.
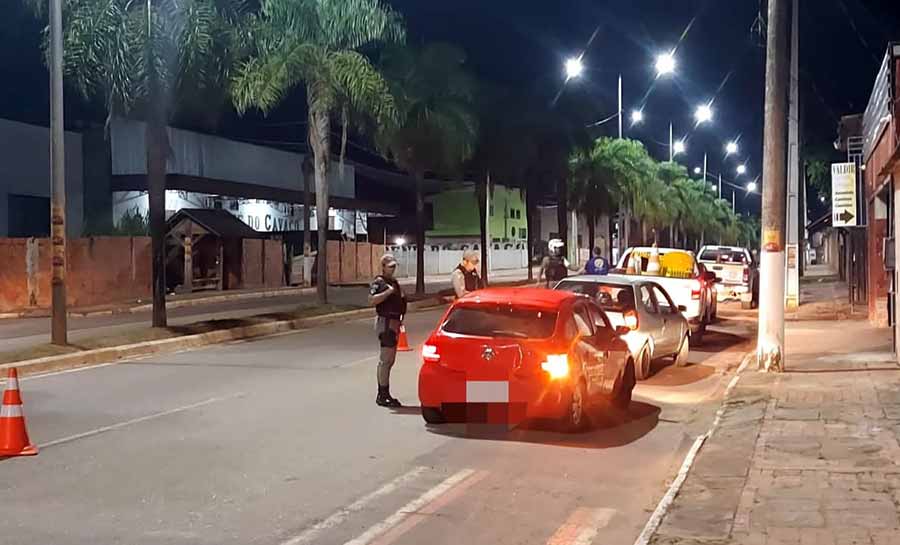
386 295
464 278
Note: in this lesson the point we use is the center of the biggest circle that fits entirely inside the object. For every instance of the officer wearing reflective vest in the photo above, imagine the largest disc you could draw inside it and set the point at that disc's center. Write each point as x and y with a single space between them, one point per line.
386 295
465 277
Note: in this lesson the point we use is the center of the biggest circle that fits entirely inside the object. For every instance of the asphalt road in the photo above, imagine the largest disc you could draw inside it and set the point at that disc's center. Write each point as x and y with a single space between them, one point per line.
278 441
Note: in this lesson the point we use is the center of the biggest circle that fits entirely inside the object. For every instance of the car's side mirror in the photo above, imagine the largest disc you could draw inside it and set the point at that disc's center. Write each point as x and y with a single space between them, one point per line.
622 330
682 308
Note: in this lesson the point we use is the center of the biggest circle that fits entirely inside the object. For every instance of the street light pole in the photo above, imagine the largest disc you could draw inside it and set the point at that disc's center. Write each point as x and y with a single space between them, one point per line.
59 326
671 144
770 343
705 173
620 106
720 187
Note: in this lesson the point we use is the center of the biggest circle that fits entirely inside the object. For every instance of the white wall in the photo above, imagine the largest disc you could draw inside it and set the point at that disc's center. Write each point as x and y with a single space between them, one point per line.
25 170
439 262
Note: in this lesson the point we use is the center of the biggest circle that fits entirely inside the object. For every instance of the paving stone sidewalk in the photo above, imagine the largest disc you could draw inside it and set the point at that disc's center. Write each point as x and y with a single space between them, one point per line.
810 456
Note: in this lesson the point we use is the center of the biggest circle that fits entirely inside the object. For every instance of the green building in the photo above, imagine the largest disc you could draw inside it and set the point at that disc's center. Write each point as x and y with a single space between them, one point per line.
455 214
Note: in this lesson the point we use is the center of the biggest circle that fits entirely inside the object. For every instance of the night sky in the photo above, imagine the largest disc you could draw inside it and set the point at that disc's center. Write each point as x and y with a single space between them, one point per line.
522 44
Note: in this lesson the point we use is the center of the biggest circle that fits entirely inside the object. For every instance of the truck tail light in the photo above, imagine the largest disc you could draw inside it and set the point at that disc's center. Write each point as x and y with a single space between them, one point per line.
746 275
631 320
696 289
430 353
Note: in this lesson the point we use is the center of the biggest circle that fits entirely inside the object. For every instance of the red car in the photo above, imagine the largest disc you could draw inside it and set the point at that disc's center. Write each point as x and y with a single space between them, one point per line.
503 355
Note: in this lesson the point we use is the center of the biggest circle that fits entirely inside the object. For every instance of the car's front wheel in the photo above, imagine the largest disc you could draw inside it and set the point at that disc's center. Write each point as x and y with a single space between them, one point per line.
432 415
642 371
684 349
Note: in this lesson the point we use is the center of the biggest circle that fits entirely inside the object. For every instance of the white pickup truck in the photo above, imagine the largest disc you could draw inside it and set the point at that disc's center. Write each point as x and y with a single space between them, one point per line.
685 280
737 273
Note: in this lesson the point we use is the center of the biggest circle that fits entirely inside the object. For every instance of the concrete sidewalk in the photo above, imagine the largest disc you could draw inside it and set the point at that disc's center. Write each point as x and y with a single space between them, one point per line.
810 456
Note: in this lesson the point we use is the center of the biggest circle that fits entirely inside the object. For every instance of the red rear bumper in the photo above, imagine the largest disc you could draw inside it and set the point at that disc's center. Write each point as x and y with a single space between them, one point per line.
532 396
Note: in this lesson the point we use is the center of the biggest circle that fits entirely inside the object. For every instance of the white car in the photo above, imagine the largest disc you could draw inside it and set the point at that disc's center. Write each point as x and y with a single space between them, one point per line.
658 329
688 283
736 270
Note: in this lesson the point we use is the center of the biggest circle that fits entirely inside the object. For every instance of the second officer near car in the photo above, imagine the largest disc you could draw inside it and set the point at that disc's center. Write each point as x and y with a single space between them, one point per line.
386 295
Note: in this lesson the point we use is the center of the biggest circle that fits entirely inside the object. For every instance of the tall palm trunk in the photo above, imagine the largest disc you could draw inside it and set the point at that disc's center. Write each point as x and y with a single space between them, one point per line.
481 197
420 233
562 210
320 140
592 220
644 230
157 151
625 234
308 171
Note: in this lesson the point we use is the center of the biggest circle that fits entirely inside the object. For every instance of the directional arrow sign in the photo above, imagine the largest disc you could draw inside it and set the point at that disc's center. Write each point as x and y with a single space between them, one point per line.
843 194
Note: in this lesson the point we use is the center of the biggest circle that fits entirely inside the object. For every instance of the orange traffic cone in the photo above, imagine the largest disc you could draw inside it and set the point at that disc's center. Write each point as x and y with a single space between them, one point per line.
13 436
403 342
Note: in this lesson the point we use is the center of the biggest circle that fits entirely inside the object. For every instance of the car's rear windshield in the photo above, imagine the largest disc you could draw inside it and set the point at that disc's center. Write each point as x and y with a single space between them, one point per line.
723 255
610 297
500 321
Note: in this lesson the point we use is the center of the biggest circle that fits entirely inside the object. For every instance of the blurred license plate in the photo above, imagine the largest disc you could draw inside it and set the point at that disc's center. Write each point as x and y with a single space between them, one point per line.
487 391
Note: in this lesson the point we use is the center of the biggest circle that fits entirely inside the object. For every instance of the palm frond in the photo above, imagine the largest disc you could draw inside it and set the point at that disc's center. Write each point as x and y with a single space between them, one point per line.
263 81
363 86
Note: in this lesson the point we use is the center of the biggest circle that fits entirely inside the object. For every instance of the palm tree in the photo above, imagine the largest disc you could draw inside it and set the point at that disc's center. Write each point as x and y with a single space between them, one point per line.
591 188
436 128
314 44
152 59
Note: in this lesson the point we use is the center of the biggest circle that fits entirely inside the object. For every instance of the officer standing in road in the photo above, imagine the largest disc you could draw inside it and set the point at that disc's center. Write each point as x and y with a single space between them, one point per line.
555 266
386 295
465 277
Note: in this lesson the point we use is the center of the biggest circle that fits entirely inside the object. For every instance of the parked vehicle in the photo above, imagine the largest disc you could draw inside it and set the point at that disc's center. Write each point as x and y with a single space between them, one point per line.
682 277
524 353
657 327
736 270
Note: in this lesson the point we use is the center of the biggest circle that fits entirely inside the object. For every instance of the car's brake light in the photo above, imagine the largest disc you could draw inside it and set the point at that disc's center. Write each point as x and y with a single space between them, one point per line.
556 365
695 291
631 320
430 353
746 275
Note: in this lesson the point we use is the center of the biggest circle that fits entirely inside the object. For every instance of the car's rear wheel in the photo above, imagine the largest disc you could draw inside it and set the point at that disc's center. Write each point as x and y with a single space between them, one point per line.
684 349
576 418
697 336
622 398
432 415
642 371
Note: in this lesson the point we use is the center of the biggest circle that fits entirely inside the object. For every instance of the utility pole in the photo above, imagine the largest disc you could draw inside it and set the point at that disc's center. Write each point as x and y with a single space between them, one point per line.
59 326
620 106
770 343
705 171
792 298
671 144
720 190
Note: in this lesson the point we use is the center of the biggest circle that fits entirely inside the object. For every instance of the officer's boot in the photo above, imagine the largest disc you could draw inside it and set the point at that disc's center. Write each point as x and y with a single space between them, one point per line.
384 398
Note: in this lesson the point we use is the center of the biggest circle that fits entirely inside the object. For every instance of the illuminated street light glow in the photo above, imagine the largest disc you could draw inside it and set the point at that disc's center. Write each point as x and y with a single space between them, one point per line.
665 64
704 114
637 116
679 147
400 241
697 170
731 148
574 67
822 199
751 187
742 169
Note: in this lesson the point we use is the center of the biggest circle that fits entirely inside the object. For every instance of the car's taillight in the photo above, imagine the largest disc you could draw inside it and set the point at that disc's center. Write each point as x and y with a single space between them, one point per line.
746 275
430 353
631 320
695 290
556 365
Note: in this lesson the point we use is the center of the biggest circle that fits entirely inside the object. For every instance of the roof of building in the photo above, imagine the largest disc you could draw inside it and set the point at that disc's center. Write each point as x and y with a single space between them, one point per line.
218 222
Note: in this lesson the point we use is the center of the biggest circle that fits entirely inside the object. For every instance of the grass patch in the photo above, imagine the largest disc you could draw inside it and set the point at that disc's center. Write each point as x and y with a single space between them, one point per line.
144 334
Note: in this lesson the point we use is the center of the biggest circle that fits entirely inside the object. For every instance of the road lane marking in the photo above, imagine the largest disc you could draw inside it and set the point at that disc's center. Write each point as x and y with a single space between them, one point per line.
311 533
138 420
414 512
582 526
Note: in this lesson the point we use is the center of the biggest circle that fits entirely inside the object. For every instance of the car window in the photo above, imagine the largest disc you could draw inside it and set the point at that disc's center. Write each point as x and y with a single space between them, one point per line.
500 321
647 300
584 321
609 296
574 286
599 318
663 301
724 255
571 331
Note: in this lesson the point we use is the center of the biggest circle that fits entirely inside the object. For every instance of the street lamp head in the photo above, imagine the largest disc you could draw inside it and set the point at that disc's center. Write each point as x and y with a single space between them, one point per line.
679 147
697 170
574 67
637 116
400 241
751 187
742 169
704 114
731 148
822 199
665 64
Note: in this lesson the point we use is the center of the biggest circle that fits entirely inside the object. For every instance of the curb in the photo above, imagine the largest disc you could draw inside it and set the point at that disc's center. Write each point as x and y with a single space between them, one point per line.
114 354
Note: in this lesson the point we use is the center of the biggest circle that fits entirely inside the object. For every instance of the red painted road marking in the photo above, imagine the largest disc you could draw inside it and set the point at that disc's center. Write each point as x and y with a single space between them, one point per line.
581 527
